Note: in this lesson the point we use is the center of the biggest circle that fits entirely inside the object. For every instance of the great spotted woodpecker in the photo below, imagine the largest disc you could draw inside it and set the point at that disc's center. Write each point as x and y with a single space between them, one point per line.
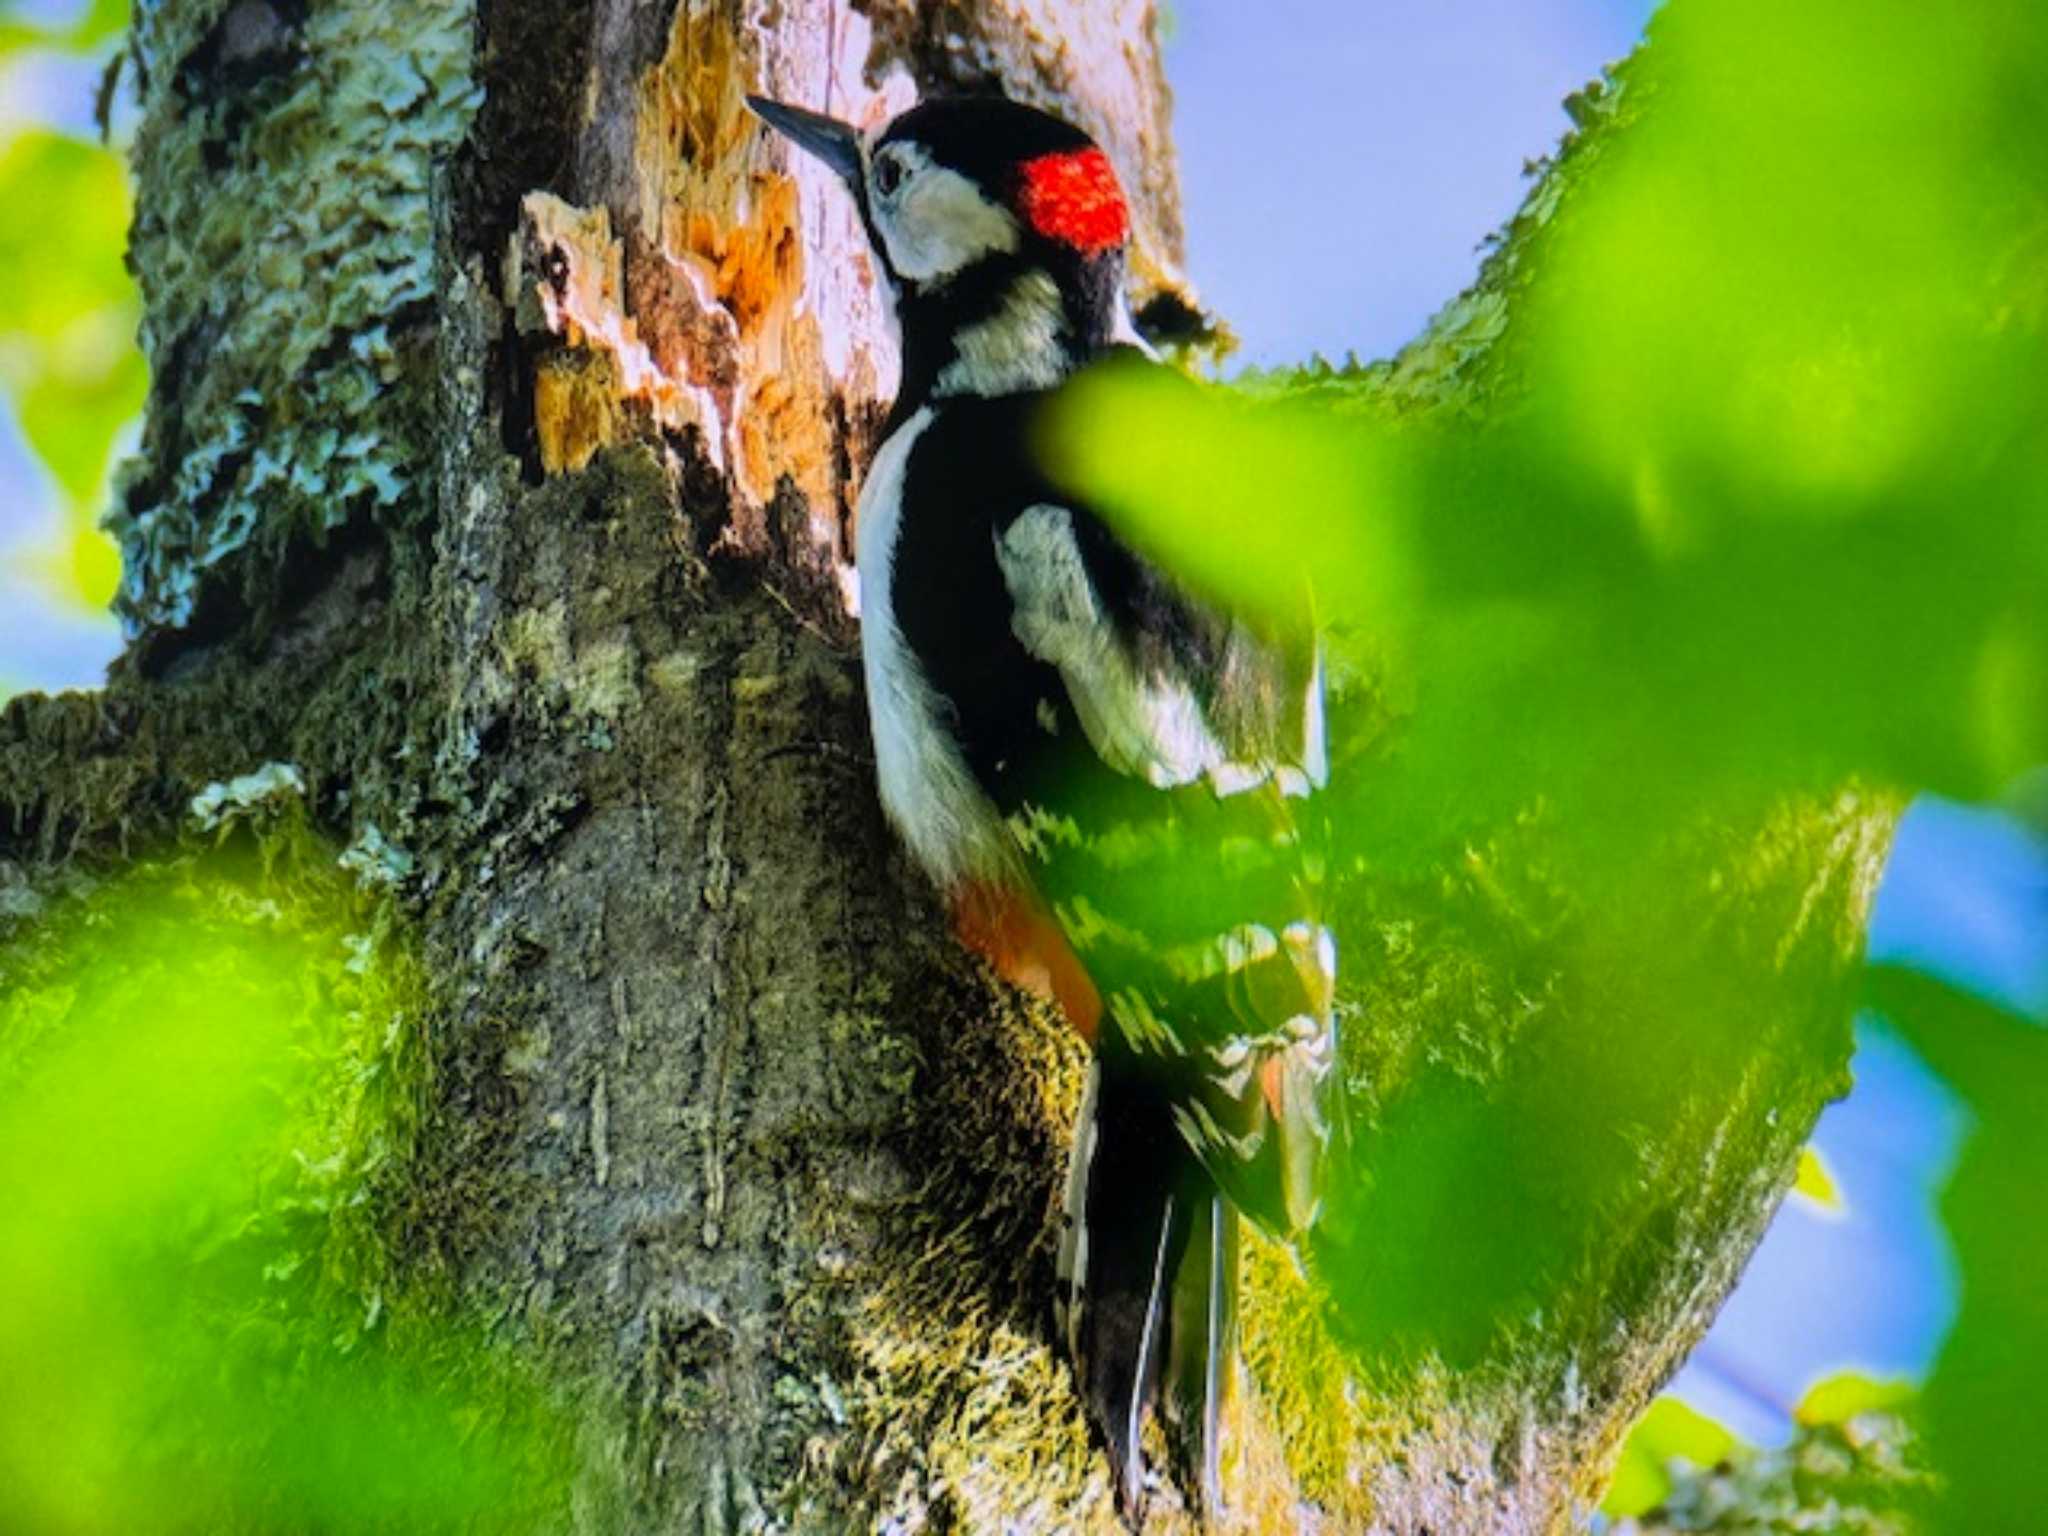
1111 779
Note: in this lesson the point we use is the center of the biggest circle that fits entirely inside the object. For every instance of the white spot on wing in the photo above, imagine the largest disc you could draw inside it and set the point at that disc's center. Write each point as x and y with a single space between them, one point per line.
1148 726
1315 752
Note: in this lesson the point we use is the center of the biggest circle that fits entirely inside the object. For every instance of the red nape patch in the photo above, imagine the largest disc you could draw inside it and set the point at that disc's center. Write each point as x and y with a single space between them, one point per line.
1074 198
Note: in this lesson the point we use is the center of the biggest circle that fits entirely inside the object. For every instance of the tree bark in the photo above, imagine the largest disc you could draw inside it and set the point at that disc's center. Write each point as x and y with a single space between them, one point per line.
510 394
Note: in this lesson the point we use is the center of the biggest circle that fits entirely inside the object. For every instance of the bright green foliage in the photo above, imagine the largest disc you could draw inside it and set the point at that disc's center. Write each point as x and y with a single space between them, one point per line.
68 313
68 309
1814 1183
1669 1432
209 1077
1850 1467
1983 1402
1728 483
64 294
1758 498
97 23
1858 1476
1841 1398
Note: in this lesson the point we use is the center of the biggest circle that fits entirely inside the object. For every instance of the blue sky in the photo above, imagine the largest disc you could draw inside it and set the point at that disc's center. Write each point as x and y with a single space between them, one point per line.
1341 160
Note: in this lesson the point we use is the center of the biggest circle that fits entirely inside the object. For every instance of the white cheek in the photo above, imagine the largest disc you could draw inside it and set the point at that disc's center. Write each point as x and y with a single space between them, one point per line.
940 224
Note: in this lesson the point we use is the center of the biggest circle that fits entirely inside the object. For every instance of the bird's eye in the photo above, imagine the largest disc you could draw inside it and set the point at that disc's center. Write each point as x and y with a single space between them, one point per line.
888 175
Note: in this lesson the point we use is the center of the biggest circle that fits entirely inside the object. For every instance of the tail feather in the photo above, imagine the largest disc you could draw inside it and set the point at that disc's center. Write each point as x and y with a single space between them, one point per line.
1150 1284
1201 1367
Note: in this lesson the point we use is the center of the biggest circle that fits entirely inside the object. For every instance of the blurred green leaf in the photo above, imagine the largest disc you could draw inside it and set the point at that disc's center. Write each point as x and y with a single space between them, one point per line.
1857 1477
74 420
96 23
1814 1182
68 317
203 1072
102 20
1730 488
1841 1398
64 264
1767 504
1669 1431
1989 1386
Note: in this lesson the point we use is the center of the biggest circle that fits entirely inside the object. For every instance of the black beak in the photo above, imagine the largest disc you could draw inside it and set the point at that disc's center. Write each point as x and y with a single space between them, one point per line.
834 142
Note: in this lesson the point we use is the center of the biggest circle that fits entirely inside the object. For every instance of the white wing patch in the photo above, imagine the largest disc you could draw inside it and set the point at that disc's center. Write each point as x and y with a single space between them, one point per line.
1148 724
927 788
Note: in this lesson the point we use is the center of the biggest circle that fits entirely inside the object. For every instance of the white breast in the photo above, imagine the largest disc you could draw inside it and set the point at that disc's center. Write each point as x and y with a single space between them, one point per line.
927 789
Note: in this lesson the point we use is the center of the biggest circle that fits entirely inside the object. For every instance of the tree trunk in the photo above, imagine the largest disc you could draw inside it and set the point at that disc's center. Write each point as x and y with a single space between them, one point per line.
510 397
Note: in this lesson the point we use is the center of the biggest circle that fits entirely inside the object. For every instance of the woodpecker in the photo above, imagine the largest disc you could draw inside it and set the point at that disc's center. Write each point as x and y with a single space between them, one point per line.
1111 779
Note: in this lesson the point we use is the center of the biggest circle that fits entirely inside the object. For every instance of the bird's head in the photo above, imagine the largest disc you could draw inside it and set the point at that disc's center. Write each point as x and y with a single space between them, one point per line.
1001 228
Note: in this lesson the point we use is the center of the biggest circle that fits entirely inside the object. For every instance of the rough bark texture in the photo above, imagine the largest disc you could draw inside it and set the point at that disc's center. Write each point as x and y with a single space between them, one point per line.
510 397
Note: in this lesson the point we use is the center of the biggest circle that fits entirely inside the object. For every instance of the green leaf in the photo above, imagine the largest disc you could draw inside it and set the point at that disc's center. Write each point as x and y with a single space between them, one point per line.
1727 492
1841 1398
1815 1183
1670 1431
1986 1389
100 21
103 19
65 262
68 317
1764 501
180 1065
73 419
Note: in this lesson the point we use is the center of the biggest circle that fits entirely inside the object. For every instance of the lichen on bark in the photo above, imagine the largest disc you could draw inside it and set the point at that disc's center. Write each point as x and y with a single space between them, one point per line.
283 243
